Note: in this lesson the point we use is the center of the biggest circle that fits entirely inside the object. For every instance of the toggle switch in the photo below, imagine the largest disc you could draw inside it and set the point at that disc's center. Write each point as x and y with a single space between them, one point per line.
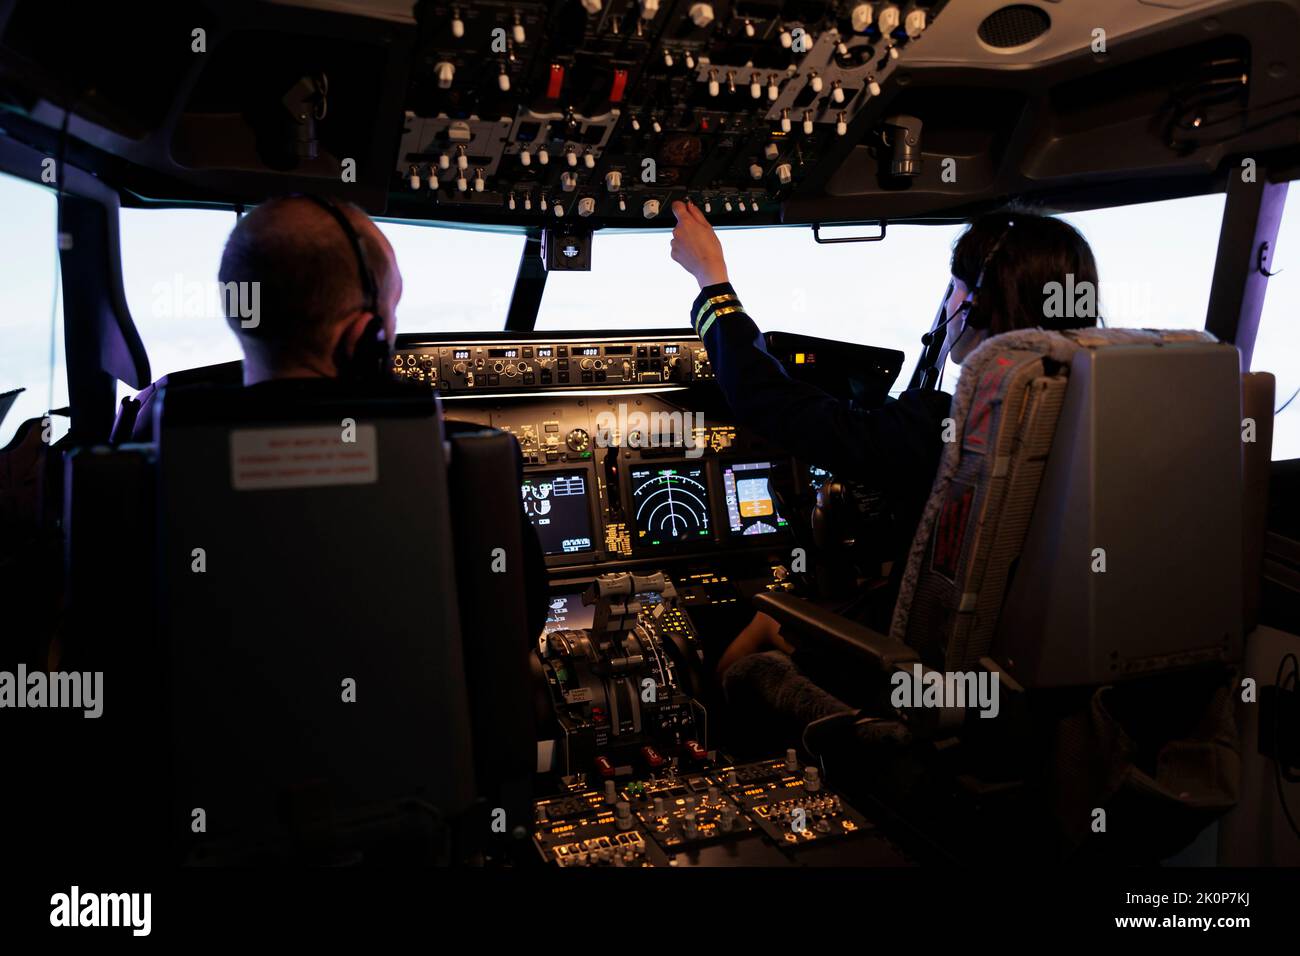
445 72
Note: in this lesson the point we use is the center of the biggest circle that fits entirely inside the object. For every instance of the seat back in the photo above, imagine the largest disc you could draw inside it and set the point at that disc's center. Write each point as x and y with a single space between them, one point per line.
1132 561
492 564
309 610
1067 525
1258 390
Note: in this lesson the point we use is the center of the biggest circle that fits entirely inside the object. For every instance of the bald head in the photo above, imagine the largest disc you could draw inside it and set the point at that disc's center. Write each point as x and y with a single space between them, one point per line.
310 294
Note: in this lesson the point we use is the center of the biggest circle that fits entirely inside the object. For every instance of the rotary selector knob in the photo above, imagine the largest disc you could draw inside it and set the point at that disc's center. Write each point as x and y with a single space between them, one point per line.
578 440
650 208
701 14
860 17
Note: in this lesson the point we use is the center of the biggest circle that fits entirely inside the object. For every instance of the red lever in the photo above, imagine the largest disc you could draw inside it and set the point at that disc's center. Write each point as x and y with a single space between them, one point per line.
620 84
555 83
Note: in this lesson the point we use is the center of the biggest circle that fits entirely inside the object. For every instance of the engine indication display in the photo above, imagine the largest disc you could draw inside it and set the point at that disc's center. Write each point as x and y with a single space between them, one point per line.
670 504
556 503
751 504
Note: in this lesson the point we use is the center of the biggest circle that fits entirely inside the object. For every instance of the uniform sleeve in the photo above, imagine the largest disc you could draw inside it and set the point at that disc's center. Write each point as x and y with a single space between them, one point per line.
806 421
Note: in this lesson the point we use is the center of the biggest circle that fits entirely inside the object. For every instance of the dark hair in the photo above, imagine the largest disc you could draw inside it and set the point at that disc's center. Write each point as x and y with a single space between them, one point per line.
306 272
1021 253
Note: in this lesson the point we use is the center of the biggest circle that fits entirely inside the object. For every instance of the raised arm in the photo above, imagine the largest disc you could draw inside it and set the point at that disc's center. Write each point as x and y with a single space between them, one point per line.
806 421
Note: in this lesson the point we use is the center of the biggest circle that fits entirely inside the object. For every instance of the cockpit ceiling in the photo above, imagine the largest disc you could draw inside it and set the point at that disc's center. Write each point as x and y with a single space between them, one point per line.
523 112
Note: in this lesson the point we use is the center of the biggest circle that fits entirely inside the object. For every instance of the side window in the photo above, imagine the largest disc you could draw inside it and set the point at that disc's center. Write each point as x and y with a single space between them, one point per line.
31 308
1277 347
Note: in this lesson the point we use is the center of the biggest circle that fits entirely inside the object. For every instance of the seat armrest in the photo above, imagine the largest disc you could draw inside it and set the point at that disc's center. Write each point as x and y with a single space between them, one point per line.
804 623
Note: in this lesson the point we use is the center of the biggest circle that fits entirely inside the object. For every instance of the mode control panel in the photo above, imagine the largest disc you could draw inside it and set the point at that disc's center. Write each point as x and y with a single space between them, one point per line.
502 365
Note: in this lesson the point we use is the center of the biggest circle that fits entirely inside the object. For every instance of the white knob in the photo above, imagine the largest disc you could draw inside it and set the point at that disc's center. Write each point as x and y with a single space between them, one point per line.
586 206
837 93
773 90
479 184
525 157
510 203
714 87
668 58
755 87
528 201
589 160
785 121
893 53
462 161
701 14
841 125
807 124
649 8
690 60
860 17
784 174
636 124
708 206
559 210
654 125
613 180
445 72
842 48
771 150
889 18
543 156
816 83
541 203
592 6
414 178
518 32
622 204
568 182
755 171
457 26
462 183
571 157
727 205
444 161
503 82
740 204
785 39
873 88
650 208
749 28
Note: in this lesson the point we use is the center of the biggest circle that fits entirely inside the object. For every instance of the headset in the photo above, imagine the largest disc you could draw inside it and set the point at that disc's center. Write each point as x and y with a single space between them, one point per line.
371 359
929 374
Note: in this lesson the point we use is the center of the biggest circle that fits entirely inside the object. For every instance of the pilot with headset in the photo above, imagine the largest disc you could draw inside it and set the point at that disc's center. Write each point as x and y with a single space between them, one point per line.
328 291
1000 267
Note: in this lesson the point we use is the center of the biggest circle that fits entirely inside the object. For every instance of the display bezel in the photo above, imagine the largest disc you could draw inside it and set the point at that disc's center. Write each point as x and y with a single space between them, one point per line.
712 484
594 511
783 484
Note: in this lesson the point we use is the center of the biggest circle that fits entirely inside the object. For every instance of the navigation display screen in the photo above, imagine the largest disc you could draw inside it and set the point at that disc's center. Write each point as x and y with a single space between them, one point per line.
751 503
670 504
557 505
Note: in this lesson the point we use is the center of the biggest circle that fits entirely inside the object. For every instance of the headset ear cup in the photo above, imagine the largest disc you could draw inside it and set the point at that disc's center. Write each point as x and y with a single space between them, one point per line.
371 358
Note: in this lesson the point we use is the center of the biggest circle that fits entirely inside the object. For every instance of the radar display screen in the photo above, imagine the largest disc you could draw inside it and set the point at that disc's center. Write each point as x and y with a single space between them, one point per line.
556 504
670 504
751 503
